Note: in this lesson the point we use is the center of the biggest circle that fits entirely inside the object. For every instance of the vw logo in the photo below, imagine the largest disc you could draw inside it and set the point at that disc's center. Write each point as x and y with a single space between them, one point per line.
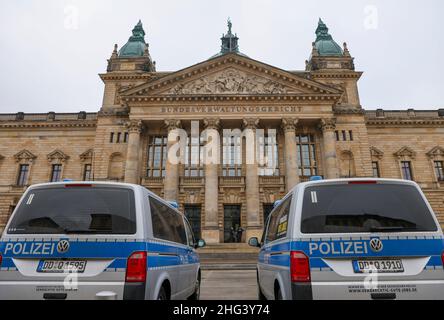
376 245
63 246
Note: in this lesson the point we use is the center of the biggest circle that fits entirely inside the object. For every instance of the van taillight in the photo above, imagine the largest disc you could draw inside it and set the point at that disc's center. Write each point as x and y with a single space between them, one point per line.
1 259
442 258
299 267
136 267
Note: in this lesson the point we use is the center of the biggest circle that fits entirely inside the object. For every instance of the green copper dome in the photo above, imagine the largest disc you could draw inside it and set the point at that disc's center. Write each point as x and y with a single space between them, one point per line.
135 47
325 44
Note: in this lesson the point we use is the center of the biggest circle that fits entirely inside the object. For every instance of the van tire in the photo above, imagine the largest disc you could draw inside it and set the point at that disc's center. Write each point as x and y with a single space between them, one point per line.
196 293
162 294
279 294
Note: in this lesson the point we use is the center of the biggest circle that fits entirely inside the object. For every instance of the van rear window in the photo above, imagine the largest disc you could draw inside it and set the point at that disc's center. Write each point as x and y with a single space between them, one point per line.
356 208
76 210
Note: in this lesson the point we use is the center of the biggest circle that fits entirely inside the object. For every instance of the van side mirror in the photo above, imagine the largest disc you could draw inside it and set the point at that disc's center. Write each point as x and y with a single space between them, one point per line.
254 242
201 243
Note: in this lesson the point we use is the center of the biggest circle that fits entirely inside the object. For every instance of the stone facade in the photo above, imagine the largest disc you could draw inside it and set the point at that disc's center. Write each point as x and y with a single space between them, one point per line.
316 111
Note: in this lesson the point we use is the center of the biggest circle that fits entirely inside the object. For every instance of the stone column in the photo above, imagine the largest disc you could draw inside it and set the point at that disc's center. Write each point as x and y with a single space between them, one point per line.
254 225
291 153
328 127
210 230
171 181
132 174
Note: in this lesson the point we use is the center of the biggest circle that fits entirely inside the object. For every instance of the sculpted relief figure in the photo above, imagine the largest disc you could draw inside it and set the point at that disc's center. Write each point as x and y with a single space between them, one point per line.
230 81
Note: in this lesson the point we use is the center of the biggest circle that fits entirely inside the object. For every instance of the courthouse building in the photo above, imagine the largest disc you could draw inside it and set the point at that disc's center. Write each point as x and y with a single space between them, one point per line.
322 129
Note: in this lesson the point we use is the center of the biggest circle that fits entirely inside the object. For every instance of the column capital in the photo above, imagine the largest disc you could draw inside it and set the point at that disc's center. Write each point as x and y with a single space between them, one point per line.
172 124
289 124
134 126
327 124
212 123
250 123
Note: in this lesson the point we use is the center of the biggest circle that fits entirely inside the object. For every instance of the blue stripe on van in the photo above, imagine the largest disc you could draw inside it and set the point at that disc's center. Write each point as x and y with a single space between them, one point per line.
345 248
160 254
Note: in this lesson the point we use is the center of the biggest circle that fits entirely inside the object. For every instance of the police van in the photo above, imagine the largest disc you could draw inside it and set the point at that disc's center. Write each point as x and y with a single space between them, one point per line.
97 240
351 239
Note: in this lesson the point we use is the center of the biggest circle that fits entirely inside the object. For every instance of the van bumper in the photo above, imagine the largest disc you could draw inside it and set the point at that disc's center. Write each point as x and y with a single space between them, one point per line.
383 290
35 290
301 291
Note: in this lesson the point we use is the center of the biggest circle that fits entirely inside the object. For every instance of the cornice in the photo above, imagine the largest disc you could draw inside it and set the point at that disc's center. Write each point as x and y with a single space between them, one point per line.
203 98
17 125
132 76
400 122
335 75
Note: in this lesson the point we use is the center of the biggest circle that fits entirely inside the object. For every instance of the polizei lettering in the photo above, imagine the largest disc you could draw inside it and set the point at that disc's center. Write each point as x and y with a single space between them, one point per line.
29 248
338 248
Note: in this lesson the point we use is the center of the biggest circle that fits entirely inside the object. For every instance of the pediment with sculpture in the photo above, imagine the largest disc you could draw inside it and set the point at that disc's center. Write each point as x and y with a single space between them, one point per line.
231 81
230 75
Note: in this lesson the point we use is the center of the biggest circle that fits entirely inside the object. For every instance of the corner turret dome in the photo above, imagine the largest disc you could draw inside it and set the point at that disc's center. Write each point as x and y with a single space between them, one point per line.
136 45
324 43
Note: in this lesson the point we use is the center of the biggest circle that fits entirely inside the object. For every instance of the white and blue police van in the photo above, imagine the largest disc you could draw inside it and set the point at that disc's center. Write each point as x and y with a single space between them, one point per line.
351 239
97 240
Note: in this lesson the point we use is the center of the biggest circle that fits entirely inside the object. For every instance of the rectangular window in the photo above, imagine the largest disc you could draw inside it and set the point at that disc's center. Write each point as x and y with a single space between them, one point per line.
278 224
344 135
356 208
56 173
157 156
269 151
167 223
337 135
439 170
406 168
232 157
350 133
119 135
306 149
111 137
375 168
22 179
125 137
87 172
194 157
76 210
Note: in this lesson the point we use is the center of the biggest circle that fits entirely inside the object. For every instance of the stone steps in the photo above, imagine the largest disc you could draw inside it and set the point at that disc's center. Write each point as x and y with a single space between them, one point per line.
228 256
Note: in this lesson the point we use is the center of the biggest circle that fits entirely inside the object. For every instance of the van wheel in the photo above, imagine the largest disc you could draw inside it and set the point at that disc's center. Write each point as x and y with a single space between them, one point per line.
196 293
162 294
260 295
279 294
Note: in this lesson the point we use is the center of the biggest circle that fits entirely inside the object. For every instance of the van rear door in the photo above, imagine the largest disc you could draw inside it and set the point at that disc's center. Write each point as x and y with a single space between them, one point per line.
371 240
69 241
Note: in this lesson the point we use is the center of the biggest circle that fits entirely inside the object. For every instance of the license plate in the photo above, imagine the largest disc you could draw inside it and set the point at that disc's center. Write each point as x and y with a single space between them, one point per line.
61 266
378 266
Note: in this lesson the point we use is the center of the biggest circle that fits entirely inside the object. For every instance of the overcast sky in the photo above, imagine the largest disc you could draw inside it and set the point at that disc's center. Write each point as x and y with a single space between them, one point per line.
52 51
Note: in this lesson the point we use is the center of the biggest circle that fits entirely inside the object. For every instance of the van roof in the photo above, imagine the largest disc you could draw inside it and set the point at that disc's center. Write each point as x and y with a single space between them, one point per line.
335 181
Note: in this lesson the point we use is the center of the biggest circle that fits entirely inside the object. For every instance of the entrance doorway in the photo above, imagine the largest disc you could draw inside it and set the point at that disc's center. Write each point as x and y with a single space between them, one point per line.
267 210
232 223
192 212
